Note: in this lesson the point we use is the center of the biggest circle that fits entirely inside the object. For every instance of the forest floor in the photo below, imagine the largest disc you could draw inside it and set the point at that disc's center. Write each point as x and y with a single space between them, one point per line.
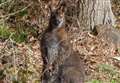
23 62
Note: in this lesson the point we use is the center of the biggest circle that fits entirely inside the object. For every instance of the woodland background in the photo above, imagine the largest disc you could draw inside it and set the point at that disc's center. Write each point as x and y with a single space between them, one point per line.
21 24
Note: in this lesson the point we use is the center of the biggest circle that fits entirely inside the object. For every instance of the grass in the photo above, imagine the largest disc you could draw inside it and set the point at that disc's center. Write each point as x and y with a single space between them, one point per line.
6 32
99 81
110 72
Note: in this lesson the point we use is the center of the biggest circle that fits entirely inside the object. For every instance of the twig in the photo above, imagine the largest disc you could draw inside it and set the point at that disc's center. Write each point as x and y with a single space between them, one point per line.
5 2
16 12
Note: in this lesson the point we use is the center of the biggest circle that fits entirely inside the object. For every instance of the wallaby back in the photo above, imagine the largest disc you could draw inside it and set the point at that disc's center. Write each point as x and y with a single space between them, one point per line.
72 70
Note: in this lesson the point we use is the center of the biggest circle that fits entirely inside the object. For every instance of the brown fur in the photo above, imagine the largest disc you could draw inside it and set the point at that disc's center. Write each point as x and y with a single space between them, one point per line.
62 34
73 70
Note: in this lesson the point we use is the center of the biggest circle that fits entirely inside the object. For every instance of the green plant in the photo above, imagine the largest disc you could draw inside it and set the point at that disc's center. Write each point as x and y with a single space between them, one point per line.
113 81
111 73
99 81
4 32
20 37
95 81
107 69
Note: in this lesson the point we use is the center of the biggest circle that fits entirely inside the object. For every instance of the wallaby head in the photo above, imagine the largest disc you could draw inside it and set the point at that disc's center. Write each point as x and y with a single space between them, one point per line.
57 17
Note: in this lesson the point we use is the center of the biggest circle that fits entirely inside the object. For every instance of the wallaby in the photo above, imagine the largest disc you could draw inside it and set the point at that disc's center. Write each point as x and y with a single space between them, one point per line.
109 34
54 34
60 62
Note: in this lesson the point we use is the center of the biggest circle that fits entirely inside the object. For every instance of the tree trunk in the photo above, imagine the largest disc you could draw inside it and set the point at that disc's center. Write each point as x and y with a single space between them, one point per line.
94 12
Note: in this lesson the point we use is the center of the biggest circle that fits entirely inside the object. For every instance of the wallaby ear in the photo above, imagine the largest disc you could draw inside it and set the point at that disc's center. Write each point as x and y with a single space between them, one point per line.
56 5
50 6
62 6
53 4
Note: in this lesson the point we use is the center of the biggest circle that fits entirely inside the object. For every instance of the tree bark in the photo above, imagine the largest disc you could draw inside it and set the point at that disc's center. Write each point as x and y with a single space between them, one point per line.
94 12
